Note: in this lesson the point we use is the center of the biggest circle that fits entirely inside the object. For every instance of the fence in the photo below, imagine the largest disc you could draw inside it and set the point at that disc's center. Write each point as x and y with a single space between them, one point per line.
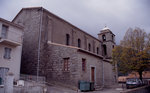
30 87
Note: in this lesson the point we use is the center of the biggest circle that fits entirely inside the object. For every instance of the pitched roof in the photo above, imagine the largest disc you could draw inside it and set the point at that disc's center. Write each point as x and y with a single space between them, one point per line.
25 9
29 8
11 23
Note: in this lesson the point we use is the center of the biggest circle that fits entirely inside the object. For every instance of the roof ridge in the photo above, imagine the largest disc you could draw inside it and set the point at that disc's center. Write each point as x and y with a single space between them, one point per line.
59 18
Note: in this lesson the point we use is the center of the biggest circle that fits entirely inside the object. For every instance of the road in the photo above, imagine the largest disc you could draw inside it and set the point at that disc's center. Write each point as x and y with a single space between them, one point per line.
56 89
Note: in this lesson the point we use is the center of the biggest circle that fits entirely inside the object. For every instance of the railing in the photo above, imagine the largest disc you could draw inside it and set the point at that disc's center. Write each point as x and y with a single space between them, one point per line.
40 79
12 35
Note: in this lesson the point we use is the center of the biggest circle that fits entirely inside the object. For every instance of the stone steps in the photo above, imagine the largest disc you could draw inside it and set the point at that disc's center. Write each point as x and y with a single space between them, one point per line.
98 87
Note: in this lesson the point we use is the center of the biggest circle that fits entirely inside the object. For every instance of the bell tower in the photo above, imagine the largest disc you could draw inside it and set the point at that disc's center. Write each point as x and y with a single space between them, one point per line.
108 42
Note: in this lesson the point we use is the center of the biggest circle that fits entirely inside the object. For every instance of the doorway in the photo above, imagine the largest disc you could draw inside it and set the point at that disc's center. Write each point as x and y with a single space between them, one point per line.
3 72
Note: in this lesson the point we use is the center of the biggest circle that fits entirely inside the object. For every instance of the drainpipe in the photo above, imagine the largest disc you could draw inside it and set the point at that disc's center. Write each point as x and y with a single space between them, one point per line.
103 73
39 43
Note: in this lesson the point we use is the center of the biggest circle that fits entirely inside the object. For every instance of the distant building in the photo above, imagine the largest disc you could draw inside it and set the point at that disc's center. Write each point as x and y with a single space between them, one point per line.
122 79
145 75
63 53
10 48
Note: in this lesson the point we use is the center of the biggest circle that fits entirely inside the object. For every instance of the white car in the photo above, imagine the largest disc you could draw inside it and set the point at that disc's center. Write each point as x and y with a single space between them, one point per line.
133 83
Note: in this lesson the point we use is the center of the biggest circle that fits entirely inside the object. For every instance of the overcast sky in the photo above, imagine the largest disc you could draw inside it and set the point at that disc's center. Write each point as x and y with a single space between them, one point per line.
89 15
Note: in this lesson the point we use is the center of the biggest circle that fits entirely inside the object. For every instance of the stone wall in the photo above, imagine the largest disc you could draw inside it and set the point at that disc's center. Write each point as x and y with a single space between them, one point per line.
91 61
54 50
53 67
109 75
110 41
30 20
109 48
57 28
53 63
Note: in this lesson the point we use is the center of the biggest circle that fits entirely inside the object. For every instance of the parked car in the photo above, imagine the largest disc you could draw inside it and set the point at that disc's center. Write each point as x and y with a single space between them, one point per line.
145 82
133 83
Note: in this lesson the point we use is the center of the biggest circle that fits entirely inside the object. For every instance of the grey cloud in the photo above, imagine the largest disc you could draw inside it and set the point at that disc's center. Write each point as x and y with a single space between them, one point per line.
89 15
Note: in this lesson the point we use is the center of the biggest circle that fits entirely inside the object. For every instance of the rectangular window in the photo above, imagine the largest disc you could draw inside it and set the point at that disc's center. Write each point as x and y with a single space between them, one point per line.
83 64
7 53
4 31
66 64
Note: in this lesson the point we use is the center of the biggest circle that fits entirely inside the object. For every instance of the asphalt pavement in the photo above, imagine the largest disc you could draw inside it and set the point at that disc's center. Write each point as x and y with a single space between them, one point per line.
113 89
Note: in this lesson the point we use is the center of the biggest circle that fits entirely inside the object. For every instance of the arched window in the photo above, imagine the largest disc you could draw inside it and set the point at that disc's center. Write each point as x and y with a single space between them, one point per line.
105 50
112 38
67 39
97 50
104 37
89 47
113 46
79 43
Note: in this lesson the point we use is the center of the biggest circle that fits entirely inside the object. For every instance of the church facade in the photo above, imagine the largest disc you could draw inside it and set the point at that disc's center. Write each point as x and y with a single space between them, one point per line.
63 53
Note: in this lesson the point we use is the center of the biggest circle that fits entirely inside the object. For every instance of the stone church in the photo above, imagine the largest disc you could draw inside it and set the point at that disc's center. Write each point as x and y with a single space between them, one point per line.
63 53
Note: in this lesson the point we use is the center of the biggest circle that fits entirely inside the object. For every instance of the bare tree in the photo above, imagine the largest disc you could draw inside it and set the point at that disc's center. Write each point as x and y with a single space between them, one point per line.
134 54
